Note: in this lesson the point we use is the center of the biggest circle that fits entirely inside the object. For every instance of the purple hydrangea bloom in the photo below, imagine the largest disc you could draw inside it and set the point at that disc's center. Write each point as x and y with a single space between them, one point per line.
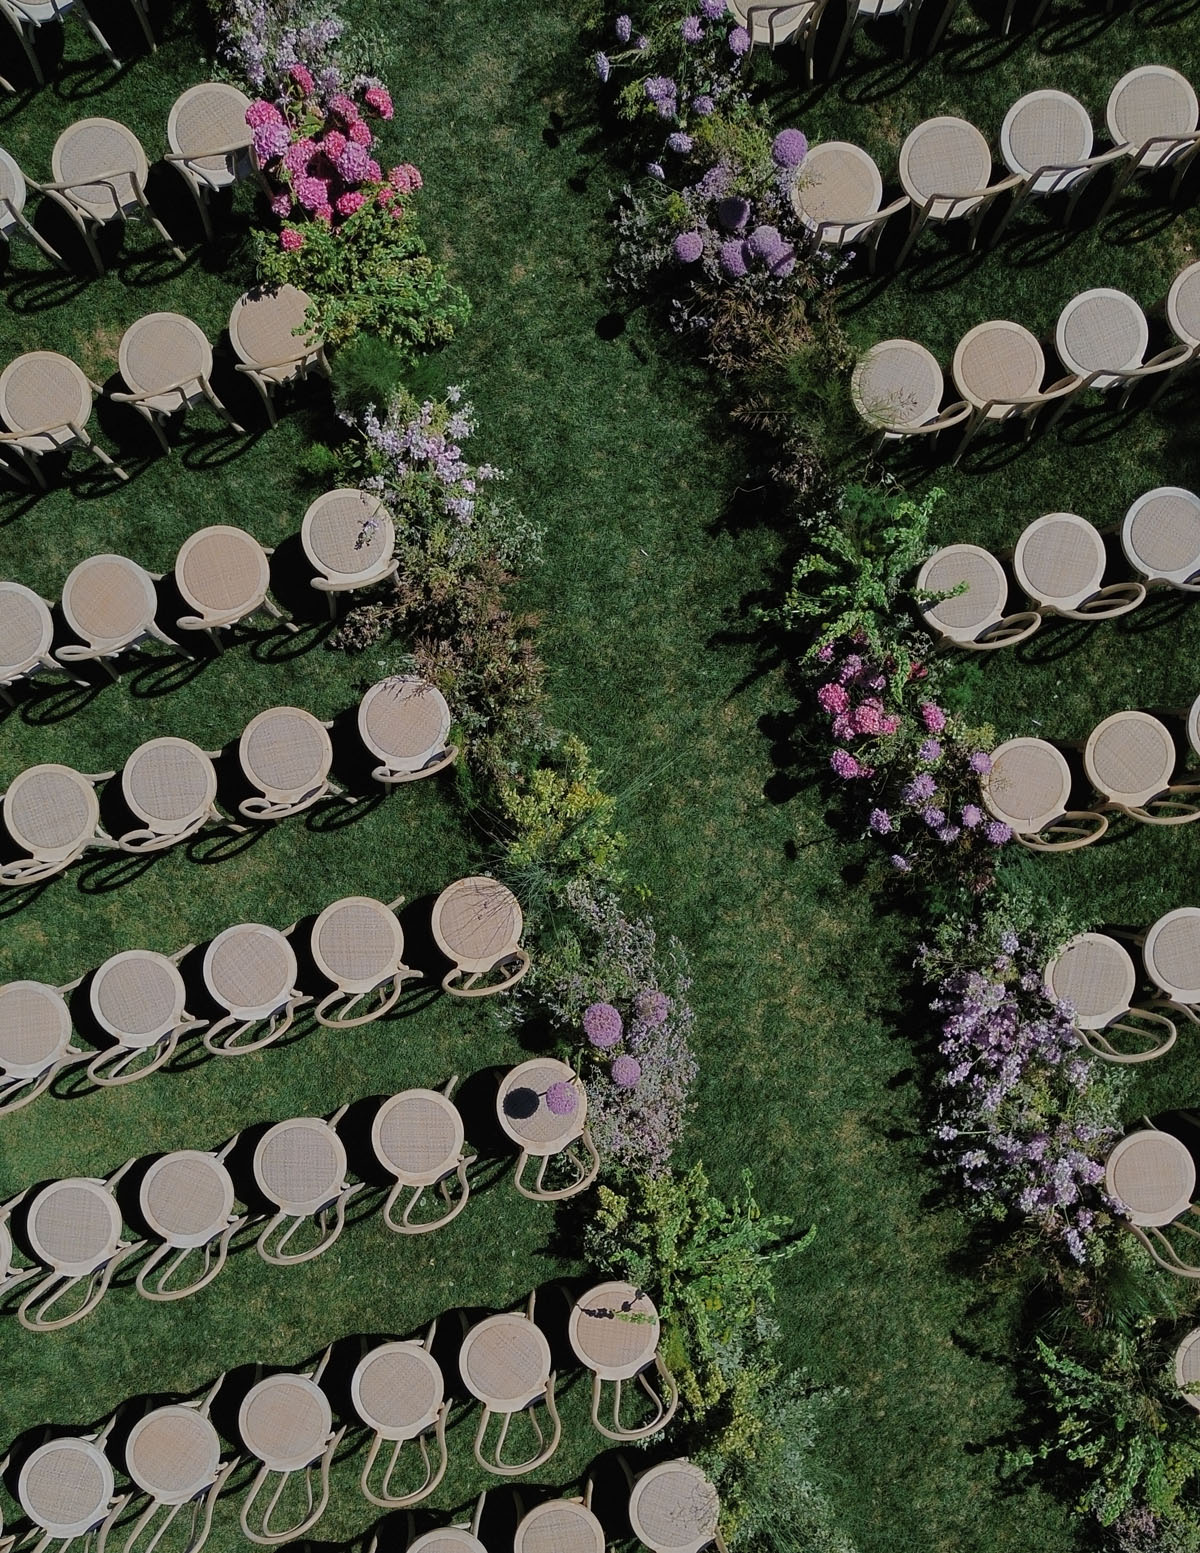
353 162
739 41
733 213
997 832
900 863
623 29
980 762
688 247
712 9
679 142
625 1072
881 822
764 242
691 30
929 750
602 1024
658 88
922 786
733 258
270 140
561 1099
703 105
971 815
603 68
789 148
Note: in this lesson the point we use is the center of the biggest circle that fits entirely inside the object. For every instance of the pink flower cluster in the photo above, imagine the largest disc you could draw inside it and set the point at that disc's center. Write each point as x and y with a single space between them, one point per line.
325 173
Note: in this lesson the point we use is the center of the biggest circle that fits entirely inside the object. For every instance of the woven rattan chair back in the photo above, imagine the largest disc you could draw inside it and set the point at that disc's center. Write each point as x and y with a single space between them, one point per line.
614 1331
210 142
35 1041
477 925
187 1198
251 970
173 1457
137 997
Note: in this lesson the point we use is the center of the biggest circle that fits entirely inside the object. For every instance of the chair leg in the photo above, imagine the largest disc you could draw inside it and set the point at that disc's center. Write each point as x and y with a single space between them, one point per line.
87 21
143 17
30 51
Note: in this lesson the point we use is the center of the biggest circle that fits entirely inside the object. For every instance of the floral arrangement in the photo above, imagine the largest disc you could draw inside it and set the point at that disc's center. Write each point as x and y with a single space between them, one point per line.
1026 1116
261 41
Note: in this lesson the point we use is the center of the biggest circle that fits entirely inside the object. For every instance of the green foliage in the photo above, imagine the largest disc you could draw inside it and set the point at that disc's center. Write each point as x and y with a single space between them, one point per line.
1120 1422
370 275
366 371
560 823
852 582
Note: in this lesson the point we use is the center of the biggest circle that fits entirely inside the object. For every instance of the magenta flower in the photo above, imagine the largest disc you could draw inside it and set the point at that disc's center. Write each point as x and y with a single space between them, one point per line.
374 172
312 192
352 163
833 697
333 144
360 133
868 716
344 107
625 1072
290 239
688 247
789 148
602 1024
270 140
561 1099
825 654
405 178
260 112
932 716
379 98
281 205
298 155
302 77
346 204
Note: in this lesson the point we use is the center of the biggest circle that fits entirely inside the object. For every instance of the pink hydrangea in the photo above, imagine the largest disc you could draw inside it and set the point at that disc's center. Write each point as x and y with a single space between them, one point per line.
379 98
561 1098
932 716
868 717
344 107
405 178
312 192
833 698
348 203
302 76
299 154
352 163
889 723
261 112
844 726
825 654
281 205
324 214
333 144
290 239
373 172
386 194
360 133
602 1024
625 1072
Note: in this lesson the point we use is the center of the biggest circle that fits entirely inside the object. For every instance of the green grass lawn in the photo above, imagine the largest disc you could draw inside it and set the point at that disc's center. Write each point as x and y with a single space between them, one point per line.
807 1067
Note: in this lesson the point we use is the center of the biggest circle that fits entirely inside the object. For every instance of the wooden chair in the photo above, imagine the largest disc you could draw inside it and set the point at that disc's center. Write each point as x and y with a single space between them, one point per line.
614 1332
210 142
506 1364
100 168
773 24
859 12
418 1137
74 1229
187 1199
1059 562
962 591
399 1393
287 1423
300 1165
1094 973
35 1041
358 944
14 187
137 998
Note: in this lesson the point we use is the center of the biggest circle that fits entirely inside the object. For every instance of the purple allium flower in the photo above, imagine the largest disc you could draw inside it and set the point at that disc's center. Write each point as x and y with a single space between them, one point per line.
625 1072
602 1024
667 108
691 30
971 815
997 832
739 41
783 262
881 822
703 105
655 169
601 61
933 817
688 247
929 750
921 786
652 1007
733 213
713 10
561 1099
659 87
679 142
623 28
789 148
764 242
733 258
900 863
980 762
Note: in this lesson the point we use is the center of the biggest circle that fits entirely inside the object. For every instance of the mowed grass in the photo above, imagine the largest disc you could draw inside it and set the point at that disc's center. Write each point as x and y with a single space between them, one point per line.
624 456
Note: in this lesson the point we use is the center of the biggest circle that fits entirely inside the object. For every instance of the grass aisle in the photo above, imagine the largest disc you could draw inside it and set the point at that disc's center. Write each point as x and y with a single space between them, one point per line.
804 1075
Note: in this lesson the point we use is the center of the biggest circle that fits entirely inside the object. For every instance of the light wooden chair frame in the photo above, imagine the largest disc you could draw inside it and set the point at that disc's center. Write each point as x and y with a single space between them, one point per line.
546 1448
434 1473
52 1288
457 1171
328 1228
315 1507
975 207
117 1064
218 1242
